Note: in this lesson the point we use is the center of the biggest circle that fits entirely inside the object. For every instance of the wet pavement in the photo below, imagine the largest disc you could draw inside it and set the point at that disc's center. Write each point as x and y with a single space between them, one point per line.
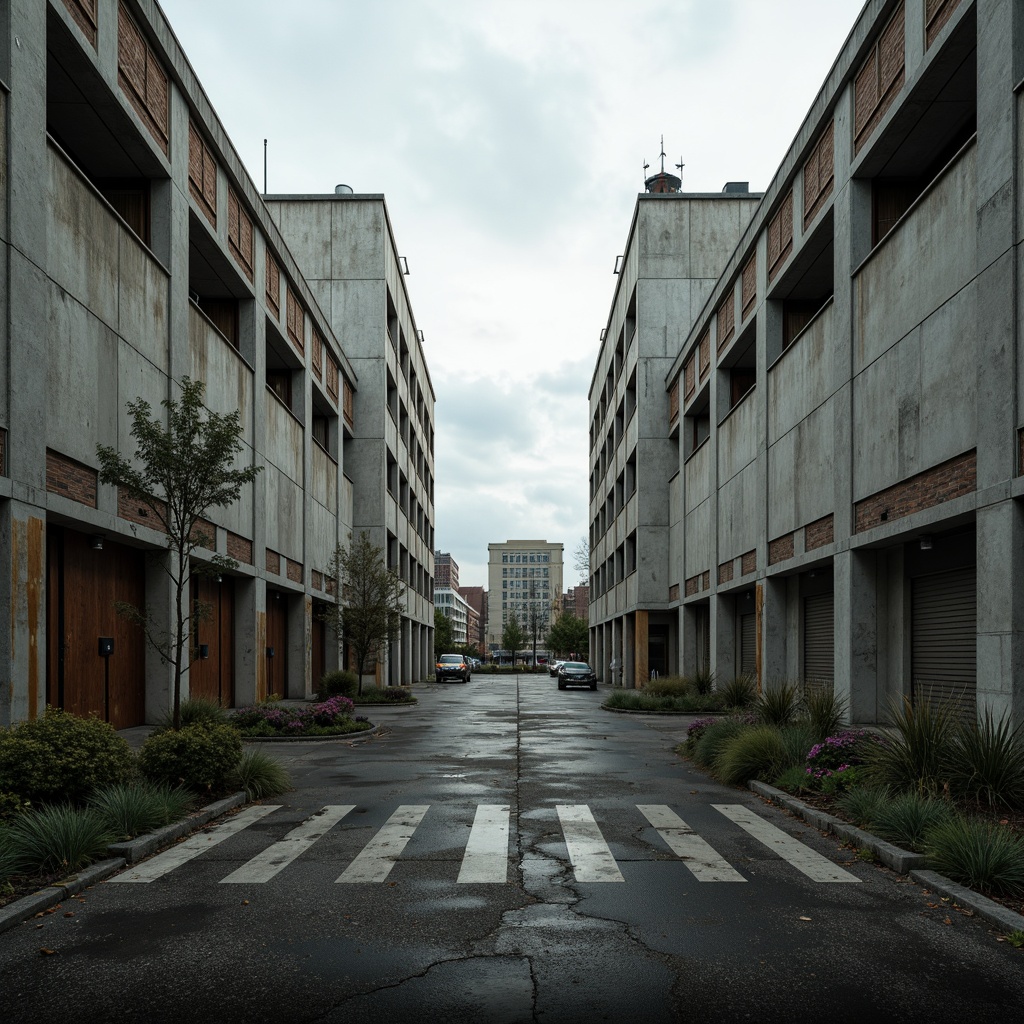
542 942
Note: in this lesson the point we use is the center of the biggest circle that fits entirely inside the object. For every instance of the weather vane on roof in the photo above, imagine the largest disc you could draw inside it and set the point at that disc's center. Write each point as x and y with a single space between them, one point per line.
679 168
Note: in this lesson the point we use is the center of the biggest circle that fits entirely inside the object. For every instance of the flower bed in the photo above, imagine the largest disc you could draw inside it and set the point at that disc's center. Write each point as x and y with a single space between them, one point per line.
332 717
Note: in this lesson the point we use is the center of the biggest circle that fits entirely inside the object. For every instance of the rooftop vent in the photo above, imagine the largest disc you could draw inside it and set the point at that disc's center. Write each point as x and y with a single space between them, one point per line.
737 186
343 190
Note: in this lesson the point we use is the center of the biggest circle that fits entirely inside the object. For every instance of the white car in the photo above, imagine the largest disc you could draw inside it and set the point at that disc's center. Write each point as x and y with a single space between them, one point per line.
554 666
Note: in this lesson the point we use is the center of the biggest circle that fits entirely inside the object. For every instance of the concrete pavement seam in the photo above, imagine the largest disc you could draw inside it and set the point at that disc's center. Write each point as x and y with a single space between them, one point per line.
903 862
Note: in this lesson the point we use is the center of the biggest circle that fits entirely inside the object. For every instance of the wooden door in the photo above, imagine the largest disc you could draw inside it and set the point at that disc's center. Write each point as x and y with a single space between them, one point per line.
213 609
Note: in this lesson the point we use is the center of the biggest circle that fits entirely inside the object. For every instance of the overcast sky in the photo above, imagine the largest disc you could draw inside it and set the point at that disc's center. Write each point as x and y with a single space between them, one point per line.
509 138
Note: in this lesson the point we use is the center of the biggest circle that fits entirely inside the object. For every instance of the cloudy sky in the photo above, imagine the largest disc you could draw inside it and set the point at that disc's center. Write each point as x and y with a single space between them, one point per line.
509 138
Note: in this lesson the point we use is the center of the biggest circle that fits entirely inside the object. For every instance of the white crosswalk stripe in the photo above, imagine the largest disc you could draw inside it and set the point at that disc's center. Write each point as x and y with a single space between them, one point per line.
263 867
591 858
170 859
378 857
696 853
486 856
803 858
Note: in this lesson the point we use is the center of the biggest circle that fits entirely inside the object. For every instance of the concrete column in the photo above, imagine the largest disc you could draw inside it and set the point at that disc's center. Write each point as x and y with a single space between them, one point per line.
774 629
405 674
856 634
641 638
1000 654
628 657
723 638
160 609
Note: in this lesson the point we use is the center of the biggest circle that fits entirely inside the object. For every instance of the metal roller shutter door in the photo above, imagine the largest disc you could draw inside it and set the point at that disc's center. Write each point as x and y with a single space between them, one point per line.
944 625
748 644
819 638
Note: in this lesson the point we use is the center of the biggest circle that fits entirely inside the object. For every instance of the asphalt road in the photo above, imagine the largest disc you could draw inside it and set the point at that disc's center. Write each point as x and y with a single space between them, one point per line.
506 852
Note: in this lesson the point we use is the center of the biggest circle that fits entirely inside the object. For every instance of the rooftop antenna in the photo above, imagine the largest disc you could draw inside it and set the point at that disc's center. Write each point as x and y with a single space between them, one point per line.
679 168
646 166
663 154
264 166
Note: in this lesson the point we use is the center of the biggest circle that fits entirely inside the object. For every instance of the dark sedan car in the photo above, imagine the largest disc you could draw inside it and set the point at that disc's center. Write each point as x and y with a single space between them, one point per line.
576 673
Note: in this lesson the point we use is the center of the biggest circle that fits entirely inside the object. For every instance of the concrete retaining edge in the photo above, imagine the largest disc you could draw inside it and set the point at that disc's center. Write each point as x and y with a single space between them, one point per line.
903 862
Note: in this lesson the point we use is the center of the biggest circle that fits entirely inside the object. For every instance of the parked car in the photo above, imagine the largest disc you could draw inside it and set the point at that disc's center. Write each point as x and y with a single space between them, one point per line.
554 666
452 666
576 673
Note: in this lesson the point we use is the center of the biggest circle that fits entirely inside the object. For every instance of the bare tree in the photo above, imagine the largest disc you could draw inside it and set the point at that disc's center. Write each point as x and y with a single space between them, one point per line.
581 560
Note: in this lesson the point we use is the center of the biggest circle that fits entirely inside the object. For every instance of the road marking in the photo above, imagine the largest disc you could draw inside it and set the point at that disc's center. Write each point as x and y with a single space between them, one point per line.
264 866
380 853
486 856
697 854
591 858
184 852
803 858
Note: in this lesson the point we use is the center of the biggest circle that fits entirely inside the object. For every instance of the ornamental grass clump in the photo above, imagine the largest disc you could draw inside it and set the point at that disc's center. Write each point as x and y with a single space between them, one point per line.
825 711
777 705
755 753
739 692
56 839
981 854
986 763
916 755
260 775
906 818
134 808
713 740
192 711
863 803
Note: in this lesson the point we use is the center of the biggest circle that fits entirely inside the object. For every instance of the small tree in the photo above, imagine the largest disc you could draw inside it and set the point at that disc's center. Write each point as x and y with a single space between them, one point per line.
178 472
536 622
513 638
443 642
569 635
581 560
369 613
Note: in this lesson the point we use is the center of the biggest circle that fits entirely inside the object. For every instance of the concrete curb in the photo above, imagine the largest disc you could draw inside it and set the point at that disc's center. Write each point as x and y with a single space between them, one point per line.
130 852
903 862
348 737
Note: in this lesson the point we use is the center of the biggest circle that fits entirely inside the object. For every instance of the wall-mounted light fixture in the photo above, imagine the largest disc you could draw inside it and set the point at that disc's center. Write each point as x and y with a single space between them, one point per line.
96 543
204 650
403 263
618 265
220 578
926 543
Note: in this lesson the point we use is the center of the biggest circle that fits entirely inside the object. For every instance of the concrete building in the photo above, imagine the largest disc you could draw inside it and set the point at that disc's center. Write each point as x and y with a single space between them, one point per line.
446 570
524 576
476 598
456 609
345 246
137 251
677 245
844 411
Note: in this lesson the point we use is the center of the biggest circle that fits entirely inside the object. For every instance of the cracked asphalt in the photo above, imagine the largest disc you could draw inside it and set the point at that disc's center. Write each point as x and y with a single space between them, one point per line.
659 946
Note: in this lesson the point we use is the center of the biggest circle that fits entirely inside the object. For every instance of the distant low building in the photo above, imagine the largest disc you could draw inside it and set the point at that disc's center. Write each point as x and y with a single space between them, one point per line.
525 577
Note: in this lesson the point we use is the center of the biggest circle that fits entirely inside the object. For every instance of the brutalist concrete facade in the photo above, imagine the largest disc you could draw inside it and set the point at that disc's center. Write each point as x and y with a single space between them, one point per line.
846 407
136 251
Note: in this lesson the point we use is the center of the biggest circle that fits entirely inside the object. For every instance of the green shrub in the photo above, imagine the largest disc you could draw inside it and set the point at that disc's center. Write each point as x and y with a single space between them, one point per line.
986 763
134 808
777 705
917 756
825 711
904 819
337 684
740 692
641 700
714 738
200 757
979 854
798 739
61 757
56 839
702 681
863 803
386 695
260 775
669 686
755 753
11 805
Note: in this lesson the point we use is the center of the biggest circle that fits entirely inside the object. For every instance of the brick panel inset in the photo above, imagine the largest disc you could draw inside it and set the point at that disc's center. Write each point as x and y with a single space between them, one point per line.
240 234
693 585
84 14
202 174
725 572
318 354
748 286
134 511
318 580
348 402
673 592
142 78
273 562
726 315
780 235
239 548
705 583
296 321
937 13
951 479
71 479
819 174
819 533
673 401
704 350
294 571
689 377
879 80
204 533
748 563
780 549
332 377
273 286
